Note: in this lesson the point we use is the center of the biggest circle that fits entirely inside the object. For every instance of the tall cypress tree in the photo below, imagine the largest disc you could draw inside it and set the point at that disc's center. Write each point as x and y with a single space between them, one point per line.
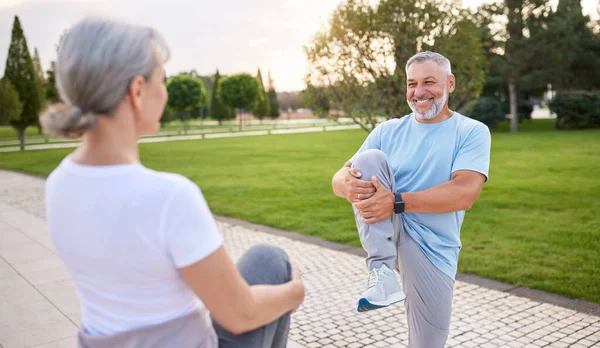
51 91
21 73
37 65
273 101
41 82
263 108
10 106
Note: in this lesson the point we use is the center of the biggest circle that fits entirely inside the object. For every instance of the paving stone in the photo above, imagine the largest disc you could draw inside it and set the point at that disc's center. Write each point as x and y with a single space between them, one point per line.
325 341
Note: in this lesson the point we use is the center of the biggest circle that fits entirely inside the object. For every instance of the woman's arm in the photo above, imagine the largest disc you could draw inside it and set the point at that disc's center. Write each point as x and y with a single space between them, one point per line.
234 304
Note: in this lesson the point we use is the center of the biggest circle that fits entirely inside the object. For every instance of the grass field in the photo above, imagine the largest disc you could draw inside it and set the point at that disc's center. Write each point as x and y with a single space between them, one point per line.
535 224
8 136
9 133
32 134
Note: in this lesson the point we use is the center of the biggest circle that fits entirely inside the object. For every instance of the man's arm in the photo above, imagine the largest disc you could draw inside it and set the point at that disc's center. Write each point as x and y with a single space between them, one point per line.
457 194
346 183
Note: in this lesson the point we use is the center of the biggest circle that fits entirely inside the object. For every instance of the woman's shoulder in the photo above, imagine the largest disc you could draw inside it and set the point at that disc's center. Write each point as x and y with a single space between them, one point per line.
171 179
169 183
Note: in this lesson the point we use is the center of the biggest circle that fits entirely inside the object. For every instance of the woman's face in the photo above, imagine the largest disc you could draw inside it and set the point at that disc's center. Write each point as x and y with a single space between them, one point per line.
153 103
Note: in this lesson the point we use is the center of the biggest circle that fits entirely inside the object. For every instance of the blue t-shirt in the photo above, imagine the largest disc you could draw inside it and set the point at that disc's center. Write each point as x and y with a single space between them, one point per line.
425 155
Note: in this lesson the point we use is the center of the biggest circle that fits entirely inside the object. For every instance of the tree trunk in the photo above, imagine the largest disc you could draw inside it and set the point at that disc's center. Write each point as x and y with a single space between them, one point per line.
514 117
241 116
21 135
185 122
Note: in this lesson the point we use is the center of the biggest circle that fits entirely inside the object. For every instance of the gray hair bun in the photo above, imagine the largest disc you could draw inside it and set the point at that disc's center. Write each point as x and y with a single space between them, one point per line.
67 121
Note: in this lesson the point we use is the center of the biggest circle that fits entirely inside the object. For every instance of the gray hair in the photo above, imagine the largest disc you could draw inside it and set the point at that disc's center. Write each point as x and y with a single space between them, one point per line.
97 60
442 61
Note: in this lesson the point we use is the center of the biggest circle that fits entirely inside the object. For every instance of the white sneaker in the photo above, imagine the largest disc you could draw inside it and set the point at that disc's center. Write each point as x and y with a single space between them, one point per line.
383 289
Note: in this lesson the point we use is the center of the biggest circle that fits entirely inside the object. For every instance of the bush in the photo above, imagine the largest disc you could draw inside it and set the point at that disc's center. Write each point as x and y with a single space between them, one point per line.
485 109
576 109
524 109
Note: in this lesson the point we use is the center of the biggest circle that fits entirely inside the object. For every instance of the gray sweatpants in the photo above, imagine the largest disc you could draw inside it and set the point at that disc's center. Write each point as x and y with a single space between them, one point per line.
428 291
261 264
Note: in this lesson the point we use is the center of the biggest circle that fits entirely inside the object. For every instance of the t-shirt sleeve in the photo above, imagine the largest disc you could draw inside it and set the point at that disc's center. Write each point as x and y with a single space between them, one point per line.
189 230
474 154
373 141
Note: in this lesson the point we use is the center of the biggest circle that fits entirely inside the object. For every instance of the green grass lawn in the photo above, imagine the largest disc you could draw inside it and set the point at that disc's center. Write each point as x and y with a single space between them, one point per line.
32 136
535 224
9 133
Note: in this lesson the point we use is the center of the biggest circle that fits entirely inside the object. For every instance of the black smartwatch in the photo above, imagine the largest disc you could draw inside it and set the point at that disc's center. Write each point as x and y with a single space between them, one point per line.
398 204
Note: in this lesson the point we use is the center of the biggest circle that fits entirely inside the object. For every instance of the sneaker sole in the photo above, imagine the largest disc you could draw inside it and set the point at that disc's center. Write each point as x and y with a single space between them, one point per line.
364 304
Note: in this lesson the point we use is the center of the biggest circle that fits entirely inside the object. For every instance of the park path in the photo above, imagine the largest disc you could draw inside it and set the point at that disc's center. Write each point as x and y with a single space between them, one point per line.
39 307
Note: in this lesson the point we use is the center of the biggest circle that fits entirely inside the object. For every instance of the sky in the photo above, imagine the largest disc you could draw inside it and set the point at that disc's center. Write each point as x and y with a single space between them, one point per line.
231 35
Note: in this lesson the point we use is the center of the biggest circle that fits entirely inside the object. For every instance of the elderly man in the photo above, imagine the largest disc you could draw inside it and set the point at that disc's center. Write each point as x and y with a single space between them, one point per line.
410 184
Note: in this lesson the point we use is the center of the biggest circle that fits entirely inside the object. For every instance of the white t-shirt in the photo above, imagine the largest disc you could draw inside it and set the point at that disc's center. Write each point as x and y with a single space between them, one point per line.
122 231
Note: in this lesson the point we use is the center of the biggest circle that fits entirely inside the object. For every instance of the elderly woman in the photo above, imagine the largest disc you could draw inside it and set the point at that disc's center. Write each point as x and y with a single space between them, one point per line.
142 247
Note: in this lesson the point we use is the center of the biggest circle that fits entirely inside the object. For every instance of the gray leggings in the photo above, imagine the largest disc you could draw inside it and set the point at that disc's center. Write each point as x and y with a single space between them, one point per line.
428 290
261 264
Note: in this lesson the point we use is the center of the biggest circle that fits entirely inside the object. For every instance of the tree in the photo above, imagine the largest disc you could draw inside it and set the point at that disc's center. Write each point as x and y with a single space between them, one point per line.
458 45
360 61
485 109
316 99
167 116
240 91
218 110
290 101
273 102
493 40
203 111
263 106
569 32
41 82
186 93
518 48
52 95
10 105
37 65
21 73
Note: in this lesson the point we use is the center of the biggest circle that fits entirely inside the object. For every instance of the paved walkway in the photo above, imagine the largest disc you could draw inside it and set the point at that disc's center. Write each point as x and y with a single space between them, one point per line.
39 308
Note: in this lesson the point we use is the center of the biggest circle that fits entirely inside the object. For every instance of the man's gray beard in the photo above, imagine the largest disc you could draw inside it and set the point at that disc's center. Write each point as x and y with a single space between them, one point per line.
435 109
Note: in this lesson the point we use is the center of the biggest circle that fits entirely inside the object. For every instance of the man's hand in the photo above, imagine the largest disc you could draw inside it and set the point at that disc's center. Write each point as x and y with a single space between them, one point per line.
356 190
379 207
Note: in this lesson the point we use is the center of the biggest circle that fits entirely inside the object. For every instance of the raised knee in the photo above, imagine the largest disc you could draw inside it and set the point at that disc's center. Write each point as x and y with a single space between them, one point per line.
272 261
370 158
269 252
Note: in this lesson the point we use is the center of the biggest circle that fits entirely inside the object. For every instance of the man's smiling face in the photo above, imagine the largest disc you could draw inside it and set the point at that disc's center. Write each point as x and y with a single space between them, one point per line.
427 90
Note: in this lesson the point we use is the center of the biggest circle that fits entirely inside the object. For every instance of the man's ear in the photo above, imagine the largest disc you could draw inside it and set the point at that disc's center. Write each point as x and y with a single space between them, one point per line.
136 92
451 83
